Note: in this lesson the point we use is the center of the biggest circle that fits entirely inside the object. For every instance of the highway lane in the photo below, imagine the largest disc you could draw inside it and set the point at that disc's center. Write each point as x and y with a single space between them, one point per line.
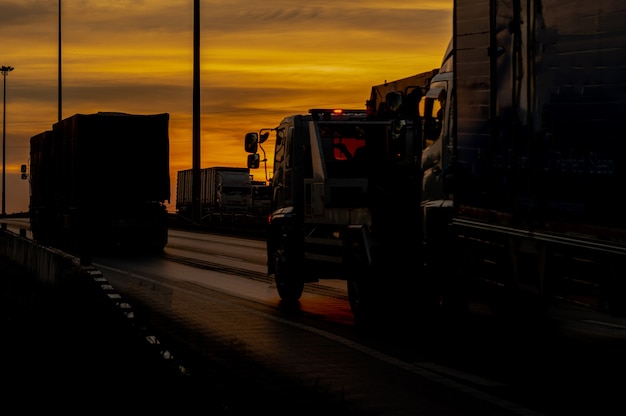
315 346
211 294
486 359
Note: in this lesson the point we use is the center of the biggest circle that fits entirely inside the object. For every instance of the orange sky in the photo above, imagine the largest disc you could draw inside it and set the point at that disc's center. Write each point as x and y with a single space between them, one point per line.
259 63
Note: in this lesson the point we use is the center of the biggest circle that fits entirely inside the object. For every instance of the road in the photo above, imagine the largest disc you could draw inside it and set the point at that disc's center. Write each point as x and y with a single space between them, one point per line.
209 295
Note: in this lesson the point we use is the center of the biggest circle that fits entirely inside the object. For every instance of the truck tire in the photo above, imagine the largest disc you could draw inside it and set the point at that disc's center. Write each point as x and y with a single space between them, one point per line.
360 296
363 295
289 283
615 294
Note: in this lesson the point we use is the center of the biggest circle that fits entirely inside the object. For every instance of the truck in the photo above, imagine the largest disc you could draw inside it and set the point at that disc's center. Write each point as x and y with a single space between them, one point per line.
225 192
344 202
383 97
100 181
521 179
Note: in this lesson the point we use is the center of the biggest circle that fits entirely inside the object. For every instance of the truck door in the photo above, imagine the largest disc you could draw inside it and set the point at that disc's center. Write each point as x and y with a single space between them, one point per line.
281 181
437 153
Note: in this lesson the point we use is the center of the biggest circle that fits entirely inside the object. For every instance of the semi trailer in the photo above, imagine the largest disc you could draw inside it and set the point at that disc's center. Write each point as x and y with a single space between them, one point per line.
522 179
100 181
224 191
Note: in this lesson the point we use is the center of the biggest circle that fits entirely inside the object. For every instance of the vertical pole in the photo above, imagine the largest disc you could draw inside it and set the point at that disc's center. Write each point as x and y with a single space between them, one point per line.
4 127
5 71
59 81
195 188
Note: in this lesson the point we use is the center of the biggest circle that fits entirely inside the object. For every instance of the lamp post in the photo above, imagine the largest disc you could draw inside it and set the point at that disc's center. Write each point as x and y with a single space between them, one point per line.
5 71
195 180
60 92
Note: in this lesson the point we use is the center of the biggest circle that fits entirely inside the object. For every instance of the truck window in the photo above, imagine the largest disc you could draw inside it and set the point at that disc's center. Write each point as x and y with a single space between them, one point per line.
345 147
279 155
288 145
432 121
279 151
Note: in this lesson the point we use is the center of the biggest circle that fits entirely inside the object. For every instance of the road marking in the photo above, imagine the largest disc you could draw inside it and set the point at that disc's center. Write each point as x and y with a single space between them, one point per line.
461 375
602 323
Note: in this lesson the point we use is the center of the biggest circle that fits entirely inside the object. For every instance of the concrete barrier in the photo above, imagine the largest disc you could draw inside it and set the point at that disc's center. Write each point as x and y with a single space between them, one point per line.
49 265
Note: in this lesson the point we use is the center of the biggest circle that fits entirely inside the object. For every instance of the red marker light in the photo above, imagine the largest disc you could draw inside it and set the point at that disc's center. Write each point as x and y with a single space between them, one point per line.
337 111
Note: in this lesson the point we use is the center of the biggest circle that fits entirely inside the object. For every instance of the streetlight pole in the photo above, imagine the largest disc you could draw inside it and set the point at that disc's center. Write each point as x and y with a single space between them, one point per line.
5 71
60 92
196 133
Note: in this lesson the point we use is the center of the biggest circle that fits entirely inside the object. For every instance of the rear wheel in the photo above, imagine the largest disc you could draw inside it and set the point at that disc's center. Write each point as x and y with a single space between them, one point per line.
289 282
361 298
361 284
615 294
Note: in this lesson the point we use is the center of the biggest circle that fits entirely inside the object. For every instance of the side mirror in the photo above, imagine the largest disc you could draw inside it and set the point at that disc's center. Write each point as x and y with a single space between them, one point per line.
394 101
254 161
251 142
264 137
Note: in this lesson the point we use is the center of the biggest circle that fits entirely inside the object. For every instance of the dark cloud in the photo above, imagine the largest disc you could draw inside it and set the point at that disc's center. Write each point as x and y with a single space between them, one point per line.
21 12
92 16
319 17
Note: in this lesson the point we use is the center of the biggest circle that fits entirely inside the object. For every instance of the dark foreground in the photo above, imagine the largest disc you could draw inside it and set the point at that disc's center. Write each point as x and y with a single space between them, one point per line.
69 348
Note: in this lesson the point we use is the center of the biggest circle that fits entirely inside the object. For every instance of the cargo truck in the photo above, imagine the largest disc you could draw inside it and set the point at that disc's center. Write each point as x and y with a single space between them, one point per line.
100 181
225 192
344 203
405 91
522 179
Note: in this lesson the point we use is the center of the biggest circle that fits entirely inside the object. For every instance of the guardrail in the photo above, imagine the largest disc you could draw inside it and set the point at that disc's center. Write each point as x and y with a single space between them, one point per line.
49 265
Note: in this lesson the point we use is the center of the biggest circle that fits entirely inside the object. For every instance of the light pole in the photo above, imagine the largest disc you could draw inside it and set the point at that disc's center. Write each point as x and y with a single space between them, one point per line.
5 71
60 92
195 181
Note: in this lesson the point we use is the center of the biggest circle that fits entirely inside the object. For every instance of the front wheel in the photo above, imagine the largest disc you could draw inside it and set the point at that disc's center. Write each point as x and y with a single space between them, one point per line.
289 284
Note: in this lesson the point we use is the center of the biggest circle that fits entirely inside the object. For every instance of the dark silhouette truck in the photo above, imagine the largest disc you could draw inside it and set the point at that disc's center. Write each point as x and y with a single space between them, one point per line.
225 193
523 180
500 177
100 181
345 204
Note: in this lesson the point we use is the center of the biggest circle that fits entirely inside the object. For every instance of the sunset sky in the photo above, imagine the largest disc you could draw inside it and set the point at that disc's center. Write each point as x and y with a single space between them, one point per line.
259 62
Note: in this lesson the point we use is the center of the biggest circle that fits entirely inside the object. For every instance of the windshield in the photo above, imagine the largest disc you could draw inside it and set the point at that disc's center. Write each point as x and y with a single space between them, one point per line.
349 148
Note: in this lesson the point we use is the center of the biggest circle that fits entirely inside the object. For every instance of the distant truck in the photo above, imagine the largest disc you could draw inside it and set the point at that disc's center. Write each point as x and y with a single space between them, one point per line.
261 200
100 181
224 192
385 97
522 182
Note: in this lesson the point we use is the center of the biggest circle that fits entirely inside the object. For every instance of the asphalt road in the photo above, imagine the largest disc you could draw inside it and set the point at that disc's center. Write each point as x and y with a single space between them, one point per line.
71 345
72 349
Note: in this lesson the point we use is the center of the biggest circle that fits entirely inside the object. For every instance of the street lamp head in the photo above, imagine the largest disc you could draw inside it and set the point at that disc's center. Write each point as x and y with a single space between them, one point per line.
6 69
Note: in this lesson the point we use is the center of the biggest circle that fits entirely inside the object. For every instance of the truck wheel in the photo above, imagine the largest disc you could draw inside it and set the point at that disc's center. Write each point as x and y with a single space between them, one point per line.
289 285
361 298
360 275
615 295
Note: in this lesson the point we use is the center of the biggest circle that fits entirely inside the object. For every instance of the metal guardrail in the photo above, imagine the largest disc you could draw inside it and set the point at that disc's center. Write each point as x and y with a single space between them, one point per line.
49 265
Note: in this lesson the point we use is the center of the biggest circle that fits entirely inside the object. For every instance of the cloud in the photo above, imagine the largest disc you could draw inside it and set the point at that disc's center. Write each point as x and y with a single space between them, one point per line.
20 13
